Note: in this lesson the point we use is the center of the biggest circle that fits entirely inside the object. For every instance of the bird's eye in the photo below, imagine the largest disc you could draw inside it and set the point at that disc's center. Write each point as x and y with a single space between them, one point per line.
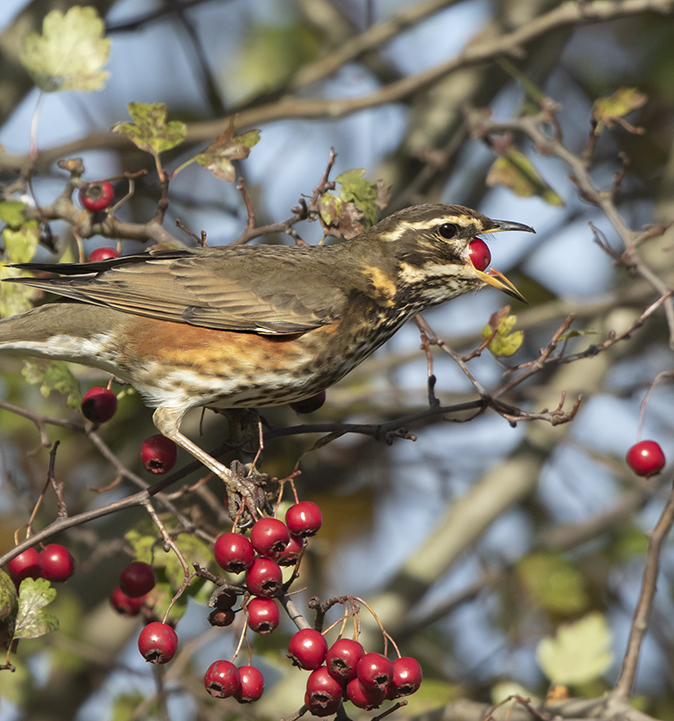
448 230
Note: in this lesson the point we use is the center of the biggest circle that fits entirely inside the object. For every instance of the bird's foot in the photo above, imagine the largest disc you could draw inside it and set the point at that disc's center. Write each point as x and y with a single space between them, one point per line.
247 493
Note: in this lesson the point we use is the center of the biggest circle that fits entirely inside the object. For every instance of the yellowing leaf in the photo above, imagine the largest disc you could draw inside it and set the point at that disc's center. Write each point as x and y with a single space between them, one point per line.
149 129
11 212
553 583
69 53
364 193
578 653
226 147
515 171
20 245
31 620
504 342
610 110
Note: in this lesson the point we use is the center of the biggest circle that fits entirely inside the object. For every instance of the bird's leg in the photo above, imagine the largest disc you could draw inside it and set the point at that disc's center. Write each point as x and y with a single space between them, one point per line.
167 422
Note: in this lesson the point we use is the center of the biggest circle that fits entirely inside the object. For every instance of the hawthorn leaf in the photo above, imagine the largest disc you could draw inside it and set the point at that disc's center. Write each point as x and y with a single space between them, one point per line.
578 653
69 53
226 147
149 130
515 171
506 341
363 193
8 596
53 376
610 110
31 620
11 213
553 583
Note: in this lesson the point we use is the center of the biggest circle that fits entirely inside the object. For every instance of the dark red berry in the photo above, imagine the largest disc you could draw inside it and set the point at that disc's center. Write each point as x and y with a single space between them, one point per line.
291 552
96 196
307 649
646 458
26 565
364 697
310 404
479 254
125 605
407 675
158 454
264 577
103 254
263 615
323 690
222 679
304 519
342 658
137 579
221 617
374 671
234 552
317 710
269 537
58 565
158 642
99 404
252 685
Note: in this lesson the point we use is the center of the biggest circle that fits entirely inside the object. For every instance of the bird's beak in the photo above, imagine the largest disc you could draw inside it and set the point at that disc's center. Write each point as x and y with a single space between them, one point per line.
496 279
507 225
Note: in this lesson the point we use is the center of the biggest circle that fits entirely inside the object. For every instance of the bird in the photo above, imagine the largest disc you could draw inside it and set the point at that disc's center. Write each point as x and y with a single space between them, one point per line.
251 326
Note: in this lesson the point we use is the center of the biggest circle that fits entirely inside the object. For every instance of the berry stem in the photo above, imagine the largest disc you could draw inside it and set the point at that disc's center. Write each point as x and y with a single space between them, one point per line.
241 638
642 407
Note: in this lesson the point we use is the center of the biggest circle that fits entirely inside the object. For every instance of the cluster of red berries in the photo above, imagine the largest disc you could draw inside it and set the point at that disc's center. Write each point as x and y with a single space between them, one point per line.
135 582
158 453
345 672
53 563
646 458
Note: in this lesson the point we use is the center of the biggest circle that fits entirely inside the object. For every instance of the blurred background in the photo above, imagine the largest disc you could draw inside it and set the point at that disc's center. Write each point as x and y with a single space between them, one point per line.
480 539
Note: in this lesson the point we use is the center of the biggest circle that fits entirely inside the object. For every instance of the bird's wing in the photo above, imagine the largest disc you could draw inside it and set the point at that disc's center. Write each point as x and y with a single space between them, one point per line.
262 289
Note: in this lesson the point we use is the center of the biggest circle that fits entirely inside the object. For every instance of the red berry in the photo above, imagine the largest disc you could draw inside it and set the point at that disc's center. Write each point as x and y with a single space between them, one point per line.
269 537
222 679
263 615
103 254
137 579
479 254
99 404
26 565
310 404
125 605
158 642
264 577
374 671
233 552
646 458
304 519
307 649
96 196
407 675
317 710
252 685
291 552
342 658
57 563
364 697
323 691
158 454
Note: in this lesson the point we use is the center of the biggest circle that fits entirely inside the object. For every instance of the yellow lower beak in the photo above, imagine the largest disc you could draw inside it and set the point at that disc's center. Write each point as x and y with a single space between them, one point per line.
496 279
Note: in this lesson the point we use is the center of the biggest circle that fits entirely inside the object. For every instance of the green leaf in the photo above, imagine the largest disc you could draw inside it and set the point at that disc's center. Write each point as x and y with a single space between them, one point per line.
226 147
364 193
330 208
11 212
7 596
31 620
69 53
15 298
553 583
515 171
505 343
53 376
20 245
610 110
124 707
580 652
149 129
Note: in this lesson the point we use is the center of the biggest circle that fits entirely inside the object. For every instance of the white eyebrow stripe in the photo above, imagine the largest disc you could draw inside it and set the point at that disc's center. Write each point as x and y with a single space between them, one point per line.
404 226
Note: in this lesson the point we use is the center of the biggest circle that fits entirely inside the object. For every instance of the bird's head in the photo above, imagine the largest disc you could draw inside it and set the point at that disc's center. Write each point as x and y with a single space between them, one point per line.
438 255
